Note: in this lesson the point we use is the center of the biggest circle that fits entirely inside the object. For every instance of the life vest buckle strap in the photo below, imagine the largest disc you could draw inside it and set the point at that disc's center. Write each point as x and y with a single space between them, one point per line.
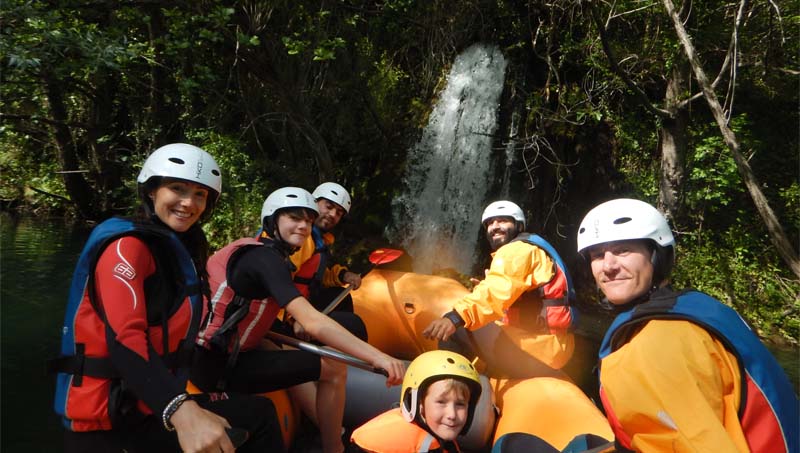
181 358
79 365
241 307
562 302
303 280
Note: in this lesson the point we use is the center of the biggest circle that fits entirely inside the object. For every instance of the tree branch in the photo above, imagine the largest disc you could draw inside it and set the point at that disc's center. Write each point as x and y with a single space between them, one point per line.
612 61
11 116
774 228
50 194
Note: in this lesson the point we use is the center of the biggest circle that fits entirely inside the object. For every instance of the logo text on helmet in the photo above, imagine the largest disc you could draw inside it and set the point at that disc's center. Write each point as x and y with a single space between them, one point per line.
596 228
199 169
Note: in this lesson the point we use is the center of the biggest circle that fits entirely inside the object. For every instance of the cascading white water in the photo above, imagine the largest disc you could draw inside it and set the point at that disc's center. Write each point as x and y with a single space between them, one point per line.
437 217
511 148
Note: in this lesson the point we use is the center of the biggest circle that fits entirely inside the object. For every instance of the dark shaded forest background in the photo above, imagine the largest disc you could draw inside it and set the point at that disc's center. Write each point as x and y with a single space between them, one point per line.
603 95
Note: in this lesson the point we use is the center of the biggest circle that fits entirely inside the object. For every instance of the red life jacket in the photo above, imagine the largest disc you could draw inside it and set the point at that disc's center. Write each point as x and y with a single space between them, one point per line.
228 315
391 433
309 275
549 304
90 390
308 278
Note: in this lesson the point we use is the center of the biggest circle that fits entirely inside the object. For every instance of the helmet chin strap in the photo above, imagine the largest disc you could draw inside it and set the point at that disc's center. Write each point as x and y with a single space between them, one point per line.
281 242
608 305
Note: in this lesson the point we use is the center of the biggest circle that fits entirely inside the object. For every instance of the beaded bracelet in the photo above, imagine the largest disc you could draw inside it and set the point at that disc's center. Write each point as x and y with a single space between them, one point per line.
170 410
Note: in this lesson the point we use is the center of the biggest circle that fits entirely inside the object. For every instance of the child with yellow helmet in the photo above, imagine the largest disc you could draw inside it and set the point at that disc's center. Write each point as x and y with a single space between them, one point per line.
437 403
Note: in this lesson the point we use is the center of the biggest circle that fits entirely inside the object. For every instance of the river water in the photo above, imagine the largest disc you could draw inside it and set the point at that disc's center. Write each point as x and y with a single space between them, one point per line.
37 257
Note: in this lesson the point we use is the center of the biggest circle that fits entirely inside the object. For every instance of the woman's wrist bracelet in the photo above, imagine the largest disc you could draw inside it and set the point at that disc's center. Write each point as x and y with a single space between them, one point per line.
170 410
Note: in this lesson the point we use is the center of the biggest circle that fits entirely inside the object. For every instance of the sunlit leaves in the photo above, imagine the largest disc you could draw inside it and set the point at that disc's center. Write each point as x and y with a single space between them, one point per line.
294 45
327 49
714 180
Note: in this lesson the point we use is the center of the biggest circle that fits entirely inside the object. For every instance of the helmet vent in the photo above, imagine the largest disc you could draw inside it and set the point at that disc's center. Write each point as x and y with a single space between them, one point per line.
215 172
291 195
450 360
622 220
176 160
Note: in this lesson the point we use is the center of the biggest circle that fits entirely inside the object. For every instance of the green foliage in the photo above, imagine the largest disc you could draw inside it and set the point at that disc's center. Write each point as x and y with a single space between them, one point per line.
714 179
637 141
790 197
22 172
734 268
386 82
309 33
277 88
243 189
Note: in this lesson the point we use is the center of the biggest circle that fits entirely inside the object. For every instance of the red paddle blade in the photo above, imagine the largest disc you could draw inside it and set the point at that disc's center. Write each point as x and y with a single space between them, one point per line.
381 256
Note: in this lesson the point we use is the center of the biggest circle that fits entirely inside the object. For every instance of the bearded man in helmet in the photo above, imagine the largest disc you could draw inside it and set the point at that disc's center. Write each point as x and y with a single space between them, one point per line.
517 319
318 277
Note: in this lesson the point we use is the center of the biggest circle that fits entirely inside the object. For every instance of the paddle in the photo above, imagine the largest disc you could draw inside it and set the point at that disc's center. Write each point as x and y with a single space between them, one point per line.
377 257
238 436
325 352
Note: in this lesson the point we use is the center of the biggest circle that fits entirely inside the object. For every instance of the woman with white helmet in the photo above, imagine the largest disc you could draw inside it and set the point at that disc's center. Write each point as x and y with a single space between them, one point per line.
250 282
134 305
679 371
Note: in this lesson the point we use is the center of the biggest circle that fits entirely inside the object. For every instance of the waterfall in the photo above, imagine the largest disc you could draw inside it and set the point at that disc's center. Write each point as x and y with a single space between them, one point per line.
511 148
437 217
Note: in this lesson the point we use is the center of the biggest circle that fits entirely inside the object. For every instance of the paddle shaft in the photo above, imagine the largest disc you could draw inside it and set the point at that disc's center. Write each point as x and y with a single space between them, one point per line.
335 302
325 352
238 436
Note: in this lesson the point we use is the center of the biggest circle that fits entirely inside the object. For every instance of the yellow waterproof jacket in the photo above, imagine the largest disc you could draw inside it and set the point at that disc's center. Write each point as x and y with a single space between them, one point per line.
331 276
517 271
676 388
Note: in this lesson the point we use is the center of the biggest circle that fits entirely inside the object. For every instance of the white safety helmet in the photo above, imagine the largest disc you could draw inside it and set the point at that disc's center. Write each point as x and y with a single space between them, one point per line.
183 161
628 219
333 192
503 208
287 197
180 161
623 219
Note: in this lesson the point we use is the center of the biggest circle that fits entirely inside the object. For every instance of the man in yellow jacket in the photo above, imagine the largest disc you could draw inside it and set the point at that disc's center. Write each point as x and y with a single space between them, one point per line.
517 319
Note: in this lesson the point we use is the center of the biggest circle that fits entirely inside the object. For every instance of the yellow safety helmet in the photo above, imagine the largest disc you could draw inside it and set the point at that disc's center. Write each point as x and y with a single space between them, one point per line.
432 366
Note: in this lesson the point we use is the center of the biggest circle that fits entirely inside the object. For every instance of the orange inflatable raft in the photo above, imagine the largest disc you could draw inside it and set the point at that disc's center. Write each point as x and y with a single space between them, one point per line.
396 307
